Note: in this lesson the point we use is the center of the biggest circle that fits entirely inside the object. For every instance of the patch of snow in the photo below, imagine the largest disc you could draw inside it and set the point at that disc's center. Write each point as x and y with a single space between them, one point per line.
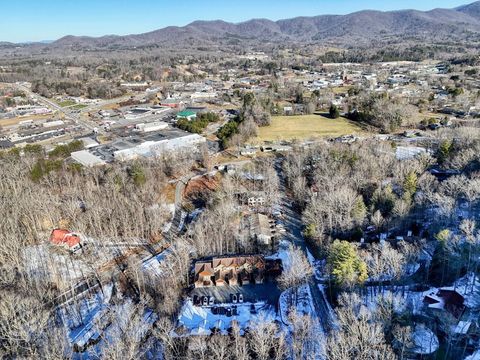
282 252
155 265
474 356
200 320
86 317
469 286
181 224
301 300
426 342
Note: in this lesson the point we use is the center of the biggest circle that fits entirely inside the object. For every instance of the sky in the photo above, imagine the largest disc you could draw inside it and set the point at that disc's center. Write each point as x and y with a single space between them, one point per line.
37 20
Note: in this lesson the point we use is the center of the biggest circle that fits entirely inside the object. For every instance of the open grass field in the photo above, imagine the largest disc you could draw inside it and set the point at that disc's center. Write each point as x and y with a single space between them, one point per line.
305 127
66 103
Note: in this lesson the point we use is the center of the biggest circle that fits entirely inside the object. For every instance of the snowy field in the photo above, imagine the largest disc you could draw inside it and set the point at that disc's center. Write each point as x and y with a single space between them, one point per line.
197 320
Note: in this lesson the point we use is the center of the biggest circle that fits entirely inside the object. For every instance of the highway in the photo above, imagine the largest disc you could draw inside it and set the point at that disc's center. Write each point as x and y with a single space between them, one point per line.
52 105
77 116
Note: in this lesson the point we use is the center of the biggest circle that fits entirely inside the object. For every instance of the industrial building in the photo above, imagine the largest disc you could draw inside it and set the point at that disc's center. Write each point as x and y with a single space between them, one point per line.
134 144
86 158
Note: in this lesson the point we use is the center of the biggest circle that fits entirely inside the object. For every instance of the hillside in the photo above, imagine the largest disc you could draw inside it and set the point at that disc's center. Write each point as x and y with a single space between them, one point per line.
356 28
362 28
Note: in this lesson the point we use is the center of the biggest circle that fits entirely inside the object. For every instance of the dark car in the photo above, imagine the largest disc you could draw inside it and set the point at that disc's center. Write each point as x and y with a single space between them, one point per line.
229 312
196 300
215 310
234 310
253 310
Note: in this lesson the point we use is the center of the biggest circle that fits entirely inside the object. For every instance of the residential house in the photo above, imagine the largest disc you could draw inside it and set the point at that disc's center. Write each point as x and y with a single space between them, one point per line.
446 299
229 271
65 238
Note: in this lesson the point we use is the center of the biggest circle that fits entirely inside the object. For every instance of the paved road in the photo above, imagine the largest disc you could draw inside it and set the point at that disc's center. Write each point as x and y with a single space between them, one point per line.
77 116
68 115
293 224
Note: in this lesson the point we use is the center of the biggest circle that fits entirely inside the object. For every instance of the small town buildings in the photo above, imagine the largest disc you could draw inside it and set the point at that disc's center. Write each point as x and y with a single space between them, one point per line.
88 142
153 126
172 103
187 114
248 151
255 200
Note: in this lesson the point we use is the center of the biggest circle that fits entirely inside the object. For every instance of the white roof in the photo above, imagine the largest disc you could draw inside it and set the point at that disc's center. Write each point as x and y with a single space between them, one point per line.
88 142
86 158
462 327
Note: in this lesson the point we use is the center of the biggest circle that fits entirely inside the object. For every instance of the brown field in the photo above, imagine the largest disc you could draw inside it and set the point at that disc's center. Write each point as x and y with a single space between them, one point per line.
305 127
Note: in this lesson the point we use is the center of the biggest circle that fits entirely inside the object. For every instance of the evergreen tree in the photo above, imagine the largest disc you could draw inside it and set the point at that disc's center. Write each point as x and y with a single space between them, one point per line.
410 185
333 111
346 267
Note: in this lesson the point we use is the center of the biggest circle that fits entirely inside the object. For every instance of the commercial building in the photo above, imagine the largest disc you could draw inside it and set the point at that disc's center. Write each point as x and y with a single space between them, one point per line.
155 145
86 158
134 144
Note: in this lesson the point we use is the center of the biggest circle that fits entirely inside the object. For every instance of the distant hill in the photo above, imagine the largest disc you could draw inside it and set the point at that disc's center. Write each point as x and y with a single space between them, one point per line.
356 29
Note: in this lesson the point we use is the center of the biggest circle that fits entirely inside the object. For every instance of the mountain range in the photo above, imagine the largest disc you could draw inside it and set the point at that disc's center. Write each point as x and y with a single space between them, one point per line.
357 29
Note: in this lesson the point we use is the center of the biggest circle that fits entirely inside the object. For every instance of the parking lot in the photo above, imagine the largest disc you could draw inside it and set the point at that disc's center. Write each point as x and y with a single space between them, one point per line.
268 292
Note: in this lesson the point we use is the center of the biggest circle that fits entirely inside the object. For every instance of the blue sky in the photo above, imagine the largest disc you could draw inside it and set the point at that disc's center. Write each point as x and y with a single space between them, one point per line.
35 20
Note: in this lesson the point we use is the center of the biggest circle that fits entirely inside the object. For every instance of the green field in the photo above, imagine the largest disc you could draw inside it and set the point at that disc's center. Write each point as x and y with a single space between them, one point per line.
79 106
305 127
66 103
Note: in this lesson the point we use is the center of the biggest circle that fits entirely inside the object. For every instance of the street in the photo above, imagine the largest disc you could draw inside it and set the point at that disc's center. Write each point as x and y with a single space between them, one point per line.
294 234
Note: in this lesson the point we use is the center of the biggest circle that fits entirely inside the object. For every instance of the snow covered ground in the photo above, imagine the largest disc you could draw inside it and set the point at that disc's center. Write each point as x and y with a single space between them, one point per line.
85 318
474 356
301 300
59 266
282 252
426 342
155 266
198 320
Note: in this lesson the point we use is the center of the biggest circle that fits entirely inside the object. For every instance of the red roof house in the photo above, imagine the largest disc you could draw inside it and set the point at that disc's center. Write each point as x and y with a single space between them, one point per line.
65 238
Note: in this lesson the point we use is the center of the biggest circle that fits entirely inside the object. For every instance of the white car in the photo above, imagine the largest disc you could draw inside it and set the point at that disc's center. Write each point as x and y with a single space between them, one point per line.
240 298
211 300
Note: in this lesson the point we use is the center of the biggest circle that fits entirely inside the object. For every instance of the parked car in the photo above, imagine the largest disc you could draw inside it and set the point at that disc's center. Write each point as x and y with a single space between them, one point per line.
214 310
221 311
211 300
234 310
253 310
233 298
196 300
240 298
205 300
229 312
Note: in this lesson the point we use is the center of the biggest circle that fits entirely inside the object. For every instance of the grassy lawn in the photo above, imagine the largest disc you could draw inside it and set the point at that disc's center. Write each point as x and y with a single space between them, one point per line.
66 103
79 106
305 127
